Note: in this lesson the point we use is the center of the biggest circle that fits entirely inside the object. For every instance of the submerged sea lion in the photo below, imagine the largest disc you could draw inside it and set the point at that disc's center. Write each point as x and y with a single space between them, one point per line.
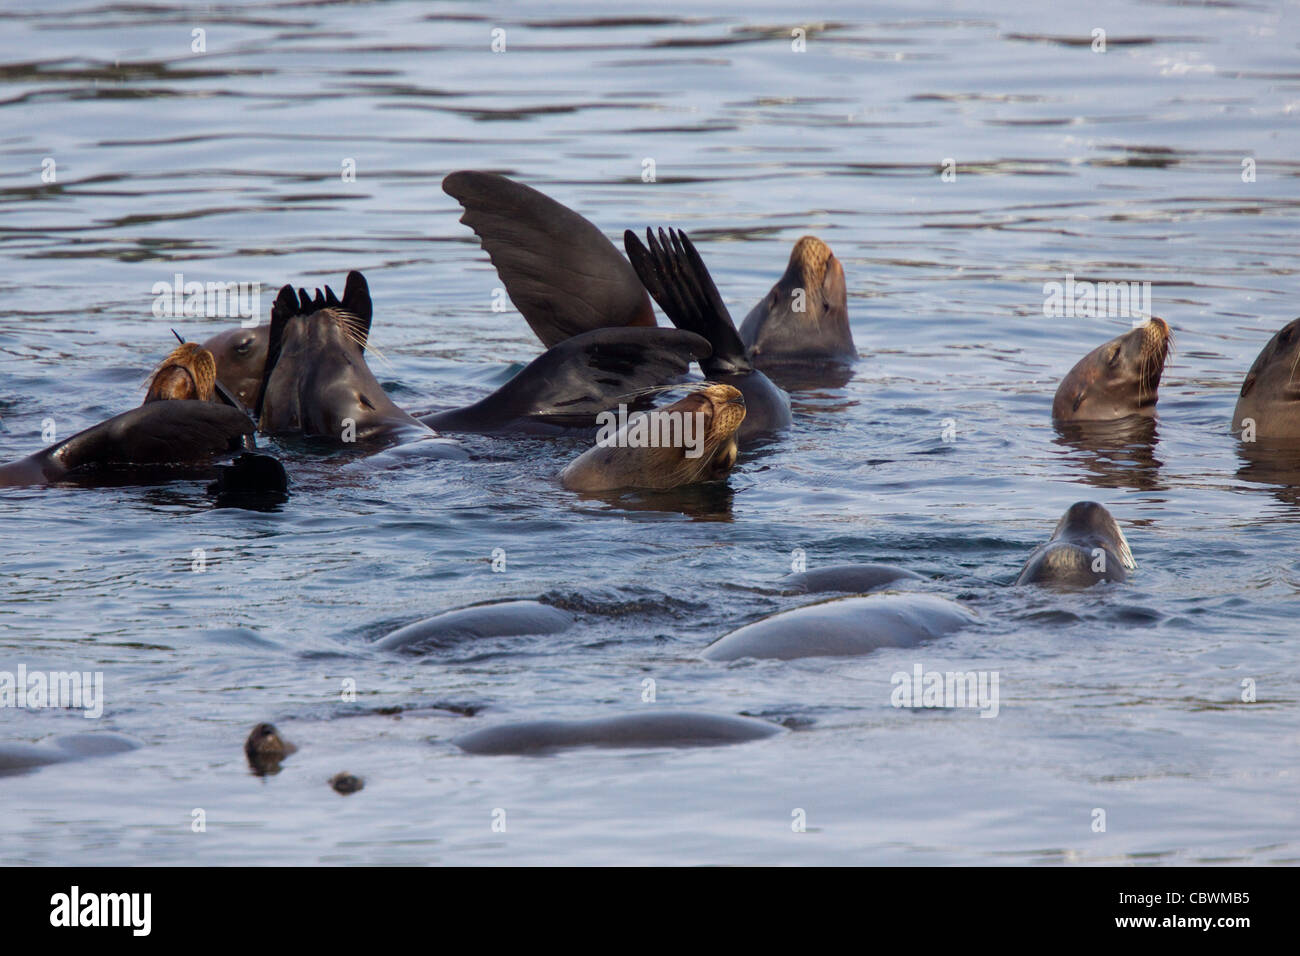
848 579
499 619
1116 380
804 319
265 748
1087 546
20 758
316 382
346 783
647 729
675 274
1268 406
842 627
688 442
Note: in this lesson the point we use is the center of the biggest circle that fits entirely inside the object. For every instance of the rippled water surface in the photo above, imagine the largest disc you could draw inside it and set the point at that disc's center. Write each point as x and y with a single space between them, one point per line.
225 165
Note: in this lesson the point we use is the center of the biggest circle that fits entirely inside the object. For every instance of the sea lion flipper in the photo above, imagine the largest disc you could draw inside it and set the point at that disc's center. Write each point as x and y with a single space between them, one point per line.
560 270
570 384
356 301
175 432
672 270
285 307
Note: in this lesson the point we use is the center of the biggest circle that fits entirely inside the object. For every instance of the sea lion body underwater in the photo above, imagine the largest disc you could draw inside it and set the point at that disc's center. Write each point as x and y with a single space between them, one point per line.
180 424
1268 405
1116 380
1088 546
691 441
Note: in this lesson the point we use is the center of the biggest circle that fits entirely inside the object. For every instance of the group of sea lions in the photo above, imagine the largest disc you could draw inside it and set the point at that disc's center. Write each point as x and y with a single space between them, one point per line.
305 374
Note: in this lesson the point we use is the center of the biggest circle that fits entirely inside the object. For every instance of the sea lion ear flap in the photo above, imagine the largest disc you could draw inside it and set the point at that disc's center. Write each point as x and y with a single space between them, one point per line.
356 299
1248 384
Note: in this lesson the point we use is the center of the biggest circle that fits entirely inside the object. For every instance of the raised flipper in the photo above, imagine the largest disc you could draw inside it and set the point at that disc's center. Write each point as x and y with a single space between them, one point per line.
570 384
676 276
288 305
159 434
562 274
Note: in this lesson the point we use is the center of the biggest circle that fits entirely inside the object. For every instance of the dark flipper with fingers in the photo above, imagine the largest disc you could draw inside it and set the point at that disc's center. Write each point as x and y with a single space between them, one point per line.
675 274
573 382
562 273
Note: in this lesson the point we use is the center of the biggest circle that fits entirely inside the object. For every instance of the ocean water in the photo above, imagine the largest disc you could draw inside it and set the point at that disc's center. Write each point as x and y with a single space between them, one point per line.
225 165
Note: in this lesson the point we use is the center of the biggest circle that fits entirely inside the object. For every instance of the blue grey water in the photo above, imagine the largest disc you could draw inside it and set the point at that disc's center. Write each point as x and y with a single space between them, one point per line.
225 165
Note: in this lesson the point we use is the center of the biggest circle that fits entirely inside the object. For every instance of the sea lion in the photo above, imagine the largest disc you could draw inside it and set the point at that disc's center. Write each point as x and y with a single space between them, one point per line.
842 627
240 355
265 748
20 758
316 382
1087 546
691 441
1268 406
847 579
647 729
499 619
1116 380
346 783
672 270
804 319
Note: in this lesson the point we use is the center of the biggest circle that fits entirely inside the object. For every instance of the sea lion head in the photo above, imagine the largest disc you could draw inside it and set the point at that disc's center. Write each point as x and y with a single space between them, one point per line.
722 408
1118 379
241 356
265 748
805 316
316 379
1087 546
652 451
189 372
1270 393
